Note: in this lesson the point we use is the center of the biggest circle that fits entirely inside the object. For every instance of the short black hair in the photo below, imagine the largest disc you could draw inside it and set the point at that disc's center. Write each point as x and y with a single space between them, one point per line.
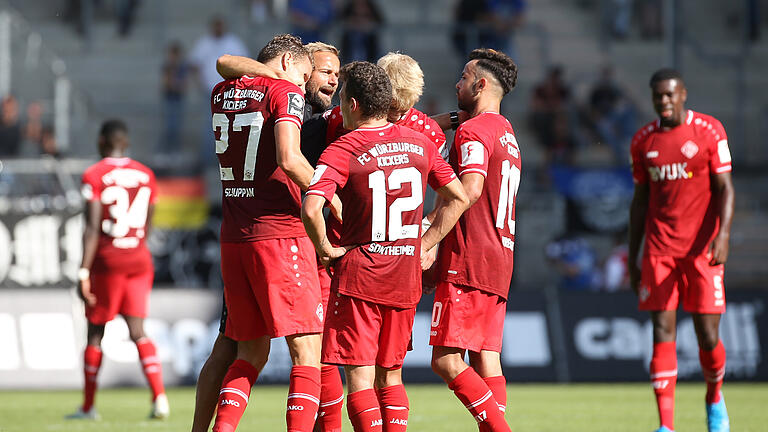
281 44
500 65
112 127
369 85
665 74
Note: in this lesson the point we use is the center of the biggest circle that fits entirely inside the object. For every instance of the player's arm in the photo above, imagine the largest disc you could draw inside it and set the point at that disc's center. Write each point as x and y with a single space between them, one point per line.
314 224
232 66
724 194
445 122
637 213
90 244
453 203
289 156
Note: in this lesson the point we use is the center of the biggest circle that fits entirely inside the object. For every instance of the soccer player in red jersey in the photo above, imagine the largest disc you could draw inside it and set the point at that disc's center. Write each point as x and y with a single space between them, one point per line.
683 203
380 172
268 265
320 88
474 263
116 272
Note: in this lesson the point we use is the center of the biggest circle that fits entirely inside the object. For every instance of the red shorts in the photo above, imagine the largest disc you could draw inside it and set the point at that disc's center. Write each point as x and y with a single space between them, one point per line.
467 318
325 284
119 292
666 279
271 288
361 333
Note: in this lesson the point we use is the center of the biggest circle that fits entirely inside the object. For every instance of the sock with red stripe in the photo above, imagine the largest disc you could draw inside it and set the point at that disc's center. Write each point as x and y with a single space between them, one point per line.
91 365
664 379
331 400
151 365
364 412
303 398
498 385
474 393
393 403
713 368
234 394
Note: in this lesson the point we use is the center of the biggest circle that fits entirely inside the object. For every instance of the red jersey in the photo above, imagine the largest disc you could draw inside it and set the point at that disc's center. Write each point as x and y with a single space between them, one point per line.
677 164
380 175
259 201
412 119
125 188
478 251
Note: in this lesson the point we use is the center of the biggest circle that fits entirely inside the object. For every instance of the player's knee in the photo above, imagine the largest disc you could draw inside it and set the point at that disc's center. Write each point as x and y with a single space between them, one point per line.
444 366
136 334
708 341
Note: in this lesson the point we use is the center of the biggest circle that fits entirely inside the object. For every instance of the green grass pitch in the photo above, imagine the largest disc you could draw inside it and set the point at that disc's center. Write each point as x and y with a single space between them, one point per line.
531 407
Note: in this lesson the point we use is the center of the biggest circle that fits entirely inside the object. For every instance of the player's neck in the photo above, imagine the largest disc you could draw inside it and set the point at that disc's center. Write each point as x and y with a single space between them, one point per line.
371 123
485 106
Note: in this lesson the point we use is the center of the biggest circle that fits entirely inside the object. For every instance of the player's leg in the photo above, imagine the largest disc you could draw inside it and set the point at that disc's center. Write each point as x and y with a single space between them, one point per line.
663 368
304 386
487 363
393 400
331 387
209 382
712 358
91 365
150 364
362 404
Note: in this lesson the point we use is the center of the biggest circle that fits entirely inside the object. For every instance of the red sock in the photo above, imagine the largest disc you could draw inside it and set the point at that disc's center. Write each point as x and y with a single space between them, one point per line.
393 402
498 385
303 398
364 413
151 364
91 365
234 394
713 368
474 393
664 379
331 400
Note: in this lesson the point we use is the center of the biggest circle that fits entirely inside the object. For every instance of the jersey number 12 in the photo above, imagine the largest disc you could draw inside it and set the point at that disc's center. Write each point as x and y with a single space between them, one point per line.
378 183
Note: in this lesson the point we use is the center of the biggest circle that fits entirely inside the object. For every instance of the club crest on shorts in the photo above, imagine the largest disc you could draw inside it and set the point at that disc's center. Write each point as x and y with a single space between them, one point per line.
319 311
644 293
689 149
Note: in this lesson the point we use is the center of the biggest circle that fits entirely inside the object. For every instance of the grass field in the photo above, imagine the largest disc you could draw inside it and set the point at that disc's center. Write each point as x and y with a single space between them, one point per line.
532 407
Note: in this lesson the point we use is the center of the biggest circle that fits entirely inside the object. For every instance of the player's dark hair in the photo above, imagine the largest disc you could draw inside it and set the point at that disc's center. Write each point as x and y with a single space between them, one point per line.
500 65
665 74
110 128
282 44
369 85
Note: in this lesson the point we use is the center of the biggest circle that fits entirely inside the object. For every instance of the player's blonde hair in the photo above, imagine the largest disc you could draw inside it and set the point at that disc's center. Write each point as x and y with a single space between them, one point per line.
314 47
406 77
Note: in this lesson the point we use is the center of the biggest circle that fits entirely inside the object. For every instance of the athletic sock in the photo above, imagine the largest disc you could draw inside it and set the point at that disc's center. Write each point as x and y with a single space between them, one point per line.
393 402
303 398
713 368
474 393
498 385
91 365
331 400
364 412
151 365
664 379
234 394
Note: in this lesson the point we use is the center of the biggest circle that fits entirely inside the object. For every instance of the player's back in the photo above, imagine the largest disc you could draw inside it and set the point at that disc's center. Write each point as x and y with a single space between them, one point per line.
478 251
383 174
125 189
259 201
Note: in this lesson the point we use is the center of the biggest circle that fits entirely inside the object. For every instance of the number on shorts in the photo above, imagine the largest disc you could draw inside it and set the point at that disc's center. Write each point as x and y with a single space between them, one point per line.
437 311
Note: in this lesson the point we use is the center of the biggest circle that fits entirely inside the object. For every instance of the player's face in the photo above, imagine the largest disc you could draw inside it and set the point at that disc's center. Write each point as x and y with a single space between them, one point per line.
324 80
465 88
668 101
299 71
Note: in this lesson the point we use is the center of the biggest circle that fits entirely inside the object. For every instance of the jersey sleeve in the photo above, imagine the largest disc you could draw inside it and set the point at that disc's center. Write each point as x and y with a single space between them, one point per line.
286 102
437 136
473 152
152 187
639 173
330 174
720 158
91 187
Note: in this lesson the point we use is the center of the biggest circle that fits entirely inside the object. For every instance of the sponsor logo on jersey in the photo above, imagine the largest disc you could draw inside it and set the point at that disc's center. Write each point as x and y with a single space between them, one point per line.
652 154
689 149
673 171
296 105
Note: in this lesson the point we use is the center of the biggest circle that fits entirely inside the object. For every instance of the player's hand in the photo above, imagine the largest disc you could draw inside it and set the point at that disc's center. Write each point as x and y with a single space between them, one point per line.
327 258
428 258
634 278
718 250
335 207
84 291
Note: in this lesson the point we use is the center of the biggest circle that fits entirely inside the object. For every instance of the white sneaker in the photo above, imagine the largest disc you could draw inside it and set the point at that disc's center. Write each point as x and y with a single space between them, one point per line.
160 408
84 415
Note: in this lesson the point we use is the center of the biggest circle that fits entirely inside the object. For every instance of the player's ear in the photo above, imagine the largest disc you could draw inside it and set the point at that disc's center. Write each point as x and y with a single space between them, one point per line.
684 94
353 104
286 60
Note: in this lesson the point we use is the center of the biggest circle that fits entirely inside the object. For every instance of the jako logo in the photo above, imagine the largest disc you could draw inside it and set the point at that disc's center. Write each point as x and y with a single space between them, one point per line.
230 402
675 171
295 408
378 422
660 384
399 422
482 416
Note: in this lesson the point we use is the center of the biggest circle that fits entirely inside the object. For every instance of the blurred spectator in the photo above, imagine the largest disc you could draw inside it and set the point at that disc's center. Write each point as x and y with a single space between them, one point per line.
10 127
202 61
549 118
259 11
48 146
615 270
81 12
175 72
486 23
309 18
651 19
613 115
126 14
505 17
469 26
33 127
574 259
617 15
362 21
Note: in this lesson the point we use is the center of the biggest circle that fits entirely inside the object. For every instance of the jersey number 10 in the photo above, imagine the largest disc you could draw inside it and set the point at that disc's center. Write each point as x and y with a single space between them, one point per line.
510 181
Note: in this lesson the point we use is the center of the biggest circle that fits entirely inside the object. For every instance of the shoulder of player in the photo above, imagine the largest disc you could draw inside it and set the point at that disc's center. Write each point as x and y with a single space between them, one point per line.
703 123
644 132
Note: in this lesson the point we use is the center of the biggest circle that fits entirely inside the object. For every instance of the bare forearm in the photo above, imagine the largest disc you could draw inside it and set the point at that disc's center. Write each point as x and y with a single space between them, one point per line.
298 170
636 228
726 199
90 244
314 224
445 217
229 67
